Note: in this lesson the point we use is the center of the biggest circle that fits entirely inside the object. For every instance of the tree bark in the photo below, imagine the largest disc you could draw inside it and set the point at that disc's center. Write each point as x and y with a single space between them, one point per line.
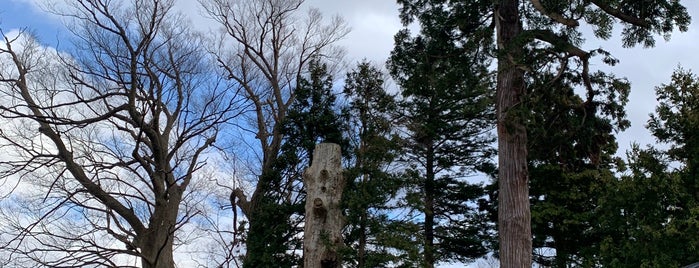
157 250
514 216
361 248
156 243
324 221
429 207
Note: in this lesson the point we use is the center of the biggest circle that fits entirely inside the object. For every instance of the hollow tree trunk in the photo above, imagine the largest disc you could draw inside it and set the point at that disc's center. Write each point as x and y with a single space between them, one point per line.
514 216
324 221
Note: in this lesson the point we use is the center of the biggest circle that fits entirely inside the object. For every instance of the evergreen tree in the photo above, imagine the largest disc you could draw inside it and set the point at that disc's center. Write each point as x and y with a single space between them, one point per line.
371 187
571 163
650 217
676 123
529 33
447 115
311 119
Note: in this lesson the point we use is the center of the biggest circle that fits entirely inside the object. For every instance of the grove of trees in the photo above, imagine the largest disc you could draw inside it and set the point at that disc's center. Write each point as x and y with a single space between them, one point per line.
143 142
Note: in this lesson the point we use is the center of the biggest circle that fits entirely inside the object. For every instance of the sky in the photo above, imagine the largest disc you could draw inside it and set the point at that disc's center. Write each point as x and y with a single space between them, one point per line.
374 22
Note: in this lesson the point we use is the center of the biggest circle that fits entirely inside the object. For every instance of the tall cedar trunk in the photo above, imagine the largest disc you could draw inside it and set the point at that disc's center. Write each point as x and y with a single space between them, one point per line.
156 243
429 207
514 216
324 221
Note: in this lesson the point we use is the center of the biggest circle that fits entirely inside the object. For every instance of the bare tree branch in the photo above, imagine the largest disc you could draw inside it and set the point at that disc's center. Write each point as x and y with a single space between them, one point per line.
126 123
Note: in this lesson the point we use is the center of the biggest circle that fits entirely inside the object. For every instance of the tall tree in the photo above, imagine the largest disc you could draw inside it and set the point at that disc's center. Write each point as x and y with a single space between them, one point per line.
654 206
447 115
527 31
124 123
312 118
554 27
571 163
371 187
266 47
675 121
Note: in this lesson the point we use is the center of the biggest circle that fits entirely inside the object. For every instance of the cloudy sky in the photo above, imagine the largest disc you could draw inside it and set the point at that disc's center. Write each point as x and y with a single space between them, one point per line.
374 22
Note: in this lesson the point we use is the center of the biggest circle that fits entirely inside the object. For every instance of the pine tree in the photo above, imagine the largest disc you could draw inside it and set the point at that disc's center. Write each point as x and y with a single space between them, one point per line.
312 118
371 186
650 217
447 115
571 164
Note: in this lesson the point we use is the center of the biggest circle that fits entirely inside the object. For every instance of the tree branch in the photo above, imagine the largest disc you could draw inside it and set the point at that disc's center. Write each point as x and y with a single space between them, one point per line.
559 43
554 16
621 15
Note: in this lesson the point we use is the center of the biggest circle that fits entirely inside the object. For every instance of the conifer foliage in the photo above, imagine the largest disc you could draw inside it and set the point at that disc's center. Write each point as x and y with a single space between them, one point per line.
447 116
312 118
534 38
372 184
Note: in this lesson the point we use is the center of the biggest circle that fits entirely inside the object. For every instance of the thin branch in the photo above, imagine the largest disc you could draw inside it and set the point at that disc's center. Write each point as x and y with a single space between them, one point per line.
554 16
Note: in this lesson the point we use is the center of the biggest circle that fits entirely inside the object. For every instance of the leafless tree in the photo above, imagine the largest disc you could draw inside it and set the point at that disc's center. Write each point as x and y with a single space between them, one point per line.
266 46
125 123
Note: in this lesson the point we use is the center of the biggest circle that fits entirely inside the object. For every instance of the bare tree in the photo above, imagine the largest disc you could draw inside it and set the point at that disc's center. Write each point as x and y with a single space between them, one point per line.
265 49
124 124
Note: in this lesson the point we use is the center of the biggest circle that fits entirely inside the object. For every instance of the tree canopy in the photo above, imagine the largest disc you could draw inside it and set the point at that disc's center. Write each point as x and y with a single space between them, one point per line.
490 131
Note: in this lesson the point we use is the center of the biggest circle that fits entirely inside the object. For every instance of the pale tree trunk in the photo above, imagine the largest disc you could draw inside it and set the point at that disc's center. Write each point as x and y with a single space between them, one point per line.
514 216
324 221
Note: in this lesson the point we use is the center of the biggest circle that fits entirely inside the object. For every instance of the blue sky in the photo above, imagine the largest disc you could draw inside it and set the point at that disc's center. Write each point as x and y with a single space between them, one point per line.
374 22
16 14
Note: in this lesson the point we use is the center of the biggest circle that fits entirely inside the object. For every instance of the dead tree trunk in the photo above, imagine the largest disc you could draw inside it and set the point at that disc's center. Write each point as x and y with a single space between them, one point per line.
324 221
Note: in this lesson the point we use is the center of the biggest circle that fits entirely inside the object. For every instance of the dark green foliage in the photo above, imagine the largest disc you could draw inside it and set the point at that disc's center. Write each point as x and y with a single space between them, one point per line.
311 119
652 216
676 121
372 242
571 137
571 134
645 220
276 233
571 162
447 114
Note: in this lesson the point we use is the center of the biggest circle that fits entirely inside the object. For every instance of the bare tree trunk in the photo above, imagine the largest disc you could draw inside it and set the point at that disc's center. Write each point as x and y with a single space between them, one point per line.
156 243
324 220
157 250
514 216
361 248
429 207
